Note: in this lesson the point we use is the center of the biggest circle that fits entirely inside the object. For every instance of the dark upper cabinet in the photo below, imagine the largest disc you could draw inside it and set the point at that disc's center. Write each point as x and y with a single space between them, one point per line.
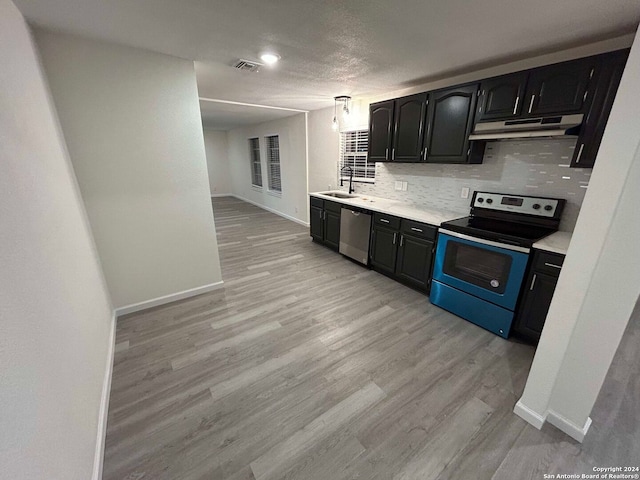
559 88
502 97
603 92
450 119
408 128
380 130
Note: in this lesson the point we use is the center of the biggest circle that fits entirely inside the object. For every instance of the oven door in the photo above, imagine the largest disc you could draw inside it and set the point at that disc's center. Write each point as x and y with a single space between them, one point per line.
488 270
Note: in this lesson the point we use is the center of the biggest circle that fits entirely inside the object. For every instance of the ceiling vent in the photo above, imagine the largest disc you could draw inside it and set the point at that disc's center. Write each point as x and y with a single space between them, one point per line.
247 65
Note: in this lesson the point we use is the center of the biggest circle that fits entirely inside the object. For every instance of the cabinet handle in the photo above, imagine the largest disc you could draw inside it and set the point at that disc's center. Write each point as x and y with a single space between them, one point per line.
384 220
584 97
580 153
416 229
386 154
424 155
533 97
393 154
552 265
401 239
533 282
515 108
320 214
324 216
395 235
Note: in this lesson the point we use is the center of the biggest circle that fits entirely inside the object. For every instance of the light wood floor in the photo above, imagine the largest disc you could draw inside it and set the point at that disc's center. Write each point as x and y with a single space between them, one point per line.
308 366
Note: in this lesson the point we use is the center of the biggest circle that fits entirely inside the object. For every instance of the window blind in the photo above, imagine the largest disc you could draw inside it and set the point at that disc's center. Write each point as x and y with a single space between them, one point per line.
354 146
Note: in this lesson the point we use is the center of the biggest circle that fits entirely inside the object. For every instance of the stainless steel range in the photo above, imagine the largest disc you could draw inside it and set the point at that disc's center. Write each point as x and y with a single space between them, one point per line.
481 259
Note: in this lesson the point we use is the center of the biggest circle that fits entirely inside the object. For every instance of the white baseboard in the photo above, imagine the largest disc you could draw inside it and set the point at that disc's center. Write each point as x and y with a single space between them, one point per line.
216 195
104 404
574 431
532 417
173 297
272 210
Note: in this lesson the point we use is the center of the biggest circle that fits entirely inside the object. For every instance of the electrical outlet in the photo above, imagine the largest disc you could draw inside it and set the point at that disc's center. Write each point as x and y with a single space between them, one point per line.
404 186
398 186
329 187
465 192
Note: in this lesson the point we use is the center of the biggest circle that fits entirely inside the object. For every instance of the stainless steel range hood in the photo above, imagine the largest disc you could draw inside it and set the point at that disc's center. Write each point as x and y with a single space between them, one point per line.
558 126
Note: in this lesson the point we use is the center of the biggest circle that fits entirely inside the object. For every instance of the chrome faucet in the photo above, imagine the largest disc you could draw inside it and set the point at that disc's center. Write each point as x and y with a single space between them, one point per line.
351 189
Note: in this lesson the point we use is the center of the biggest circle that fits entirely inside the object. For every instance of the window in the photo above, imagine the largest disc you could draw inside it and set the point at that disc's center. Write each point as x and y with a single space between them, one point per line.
256 168
273 163
353 153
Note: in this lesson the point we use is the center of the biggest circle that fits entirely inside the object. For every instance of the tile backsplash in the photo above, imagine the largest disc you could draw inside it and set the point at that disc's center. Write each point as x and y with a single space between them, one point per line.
538 167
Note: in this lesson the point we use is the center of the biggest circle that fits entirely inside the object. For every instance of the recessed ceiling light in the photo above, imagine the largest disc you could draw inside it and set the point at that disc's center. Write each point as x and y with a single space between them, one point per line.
270 58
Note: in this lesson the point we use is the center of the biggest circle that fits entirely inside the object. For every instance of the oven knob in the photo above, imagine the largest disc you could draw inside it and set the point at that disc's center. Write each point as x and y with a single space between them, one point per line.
480 200
548 208
489 200
535 206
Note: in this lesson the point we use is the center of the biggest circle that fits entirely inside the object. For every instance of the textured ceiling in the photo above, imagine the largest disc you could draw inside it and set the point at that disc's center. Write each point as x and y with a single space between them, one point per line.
328 48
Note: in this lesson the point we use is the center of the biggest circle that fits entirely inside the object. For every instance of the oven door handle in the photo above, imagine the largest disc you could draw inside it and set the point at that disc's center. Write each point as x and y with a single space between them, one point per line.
485 242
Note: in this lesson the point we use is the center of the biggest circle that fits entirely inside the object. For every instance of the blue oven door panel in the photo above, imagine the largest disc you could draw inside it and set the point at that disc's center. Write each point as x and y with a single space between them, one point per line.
505 295
484 314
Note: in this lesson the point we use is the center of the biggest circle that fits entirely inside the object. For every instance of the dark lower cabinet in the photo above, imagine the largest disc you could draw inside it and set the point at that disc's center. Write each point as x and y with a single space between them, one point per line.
324 221
414 260
403 249
538 291
384 249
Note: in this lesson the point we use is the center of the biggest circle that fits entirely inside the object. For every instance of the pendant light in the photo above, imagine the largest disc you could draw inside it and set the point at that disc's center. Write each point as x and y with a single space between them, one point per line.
344 99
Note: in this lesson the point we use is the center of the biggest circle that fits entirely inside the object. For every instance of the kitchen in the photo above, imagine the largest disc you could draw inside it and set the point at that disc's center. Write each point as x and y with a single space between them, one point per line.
308 150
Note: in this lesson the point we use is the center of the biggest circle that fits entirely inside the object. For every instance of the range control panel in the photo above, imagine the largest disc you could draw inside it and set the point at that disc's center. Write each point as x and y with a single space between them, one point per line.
538 206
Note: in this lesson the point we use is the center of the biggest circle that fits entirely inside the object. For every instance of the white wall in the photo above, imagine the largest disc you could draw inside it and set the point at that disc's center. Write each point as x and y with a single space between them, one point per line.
55 314
131 120
293 165
324 149
217 149
600 279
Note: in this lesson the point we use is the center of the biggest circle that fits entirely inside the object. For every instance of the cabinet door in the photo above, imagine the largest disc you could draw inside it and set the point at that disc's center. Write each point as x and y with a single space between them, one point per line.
559 89
535 305
408 129
502 97
316 222
450 120
606 82
332 229
414 260
380 131
384 248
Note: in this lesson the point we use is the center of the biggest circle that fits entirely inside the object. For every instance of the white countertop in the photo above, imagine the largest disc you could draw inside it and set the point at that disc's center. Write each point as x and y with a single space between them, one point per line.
394 207
556 242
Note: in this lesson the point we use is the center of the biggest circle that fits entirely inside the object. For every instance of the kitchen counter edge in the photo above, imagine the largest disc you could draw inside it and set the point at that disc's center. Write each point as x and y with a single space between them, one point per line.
395 208
557 242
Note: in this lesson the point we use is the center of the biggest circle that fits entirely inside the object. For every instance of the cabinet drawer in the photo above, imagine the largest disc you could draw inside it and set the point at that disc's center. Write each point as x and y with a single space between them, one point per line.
548 262
332 206
388 221
418 229
316 202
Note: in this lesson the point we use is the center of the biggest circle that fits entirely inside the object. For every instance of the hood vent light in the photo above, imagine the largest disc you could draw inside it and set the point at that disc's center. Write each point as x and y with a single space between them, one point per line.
247 65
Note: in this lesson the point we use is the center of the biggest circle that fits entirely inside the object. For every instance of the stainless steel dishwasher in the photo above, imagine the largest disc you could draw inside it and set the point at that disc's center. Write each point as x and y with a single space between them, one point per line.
355 228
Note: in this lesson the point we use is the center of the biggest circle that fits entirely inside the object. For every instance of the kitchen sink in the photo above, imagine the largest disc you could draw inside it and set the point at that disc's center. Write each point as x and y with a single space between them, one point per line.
338 195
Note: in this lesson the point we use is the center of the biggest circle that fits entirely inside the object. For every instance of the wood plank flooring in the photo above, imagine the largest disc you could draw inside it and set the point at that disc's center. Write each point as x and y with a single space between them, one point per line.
308 366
